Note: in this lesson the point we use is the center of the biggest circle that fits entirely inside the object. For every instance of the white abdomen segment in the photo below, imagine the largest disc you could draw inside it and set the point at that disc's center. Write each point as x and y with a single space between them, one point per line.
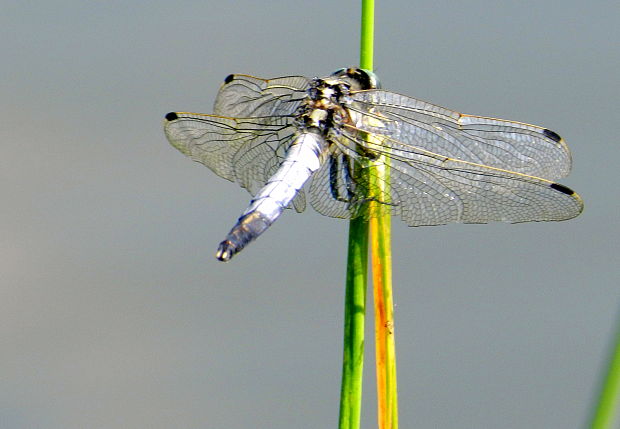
303 158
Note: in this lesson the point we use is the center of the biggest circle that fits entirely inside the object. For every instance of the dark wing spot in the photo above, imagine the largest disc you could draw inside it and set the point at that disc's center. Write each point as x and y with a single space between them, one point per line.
561 188
172 116
552 135
229 78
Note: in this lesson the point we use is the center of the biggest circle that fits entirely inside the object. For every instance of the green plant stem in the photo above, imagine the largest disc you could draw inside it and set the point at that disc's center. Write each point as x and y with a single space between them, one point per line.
357 274
355 309
367 35
607 413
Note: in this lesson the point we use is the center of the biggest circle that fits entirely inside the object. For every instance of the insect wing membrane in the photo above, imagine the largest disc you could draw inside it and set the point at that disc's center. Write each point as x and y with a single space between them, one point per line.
447 167
243 96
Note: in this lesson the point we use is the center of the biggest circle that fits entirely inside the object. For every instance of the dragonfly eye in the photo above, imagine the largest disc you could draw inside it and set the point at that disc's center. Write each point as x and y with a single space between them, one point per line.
364 78
373 80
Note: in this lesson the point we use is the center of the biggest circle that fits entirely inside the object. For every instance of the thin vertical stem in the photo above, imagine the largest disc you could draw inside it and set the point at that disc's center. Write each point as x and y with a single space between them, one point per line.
385 348
367 39
607 413
357 275
355 309
380 232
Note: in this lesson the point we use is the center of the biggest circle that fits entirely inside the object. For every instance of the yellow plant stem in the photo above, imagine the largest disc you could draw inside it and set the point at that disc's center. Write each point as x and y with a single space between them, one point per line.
381 260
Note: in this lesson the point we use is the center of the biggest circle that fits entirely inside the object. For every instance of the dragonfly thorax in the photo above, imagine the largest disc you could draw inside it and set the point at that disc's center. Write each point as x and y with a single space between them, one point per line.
324 109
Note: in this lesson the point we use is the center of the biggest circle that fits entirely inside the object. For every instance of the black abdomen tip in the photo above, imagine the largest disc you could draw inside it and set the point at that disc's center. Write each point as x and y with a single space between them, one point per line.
562 188
552 135
229 78
172 116
225 251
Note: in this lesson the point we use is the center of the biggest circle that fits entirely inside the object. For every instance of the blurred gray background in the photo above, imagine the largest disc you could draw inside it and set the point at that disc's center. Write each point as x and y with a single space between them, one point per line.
114 312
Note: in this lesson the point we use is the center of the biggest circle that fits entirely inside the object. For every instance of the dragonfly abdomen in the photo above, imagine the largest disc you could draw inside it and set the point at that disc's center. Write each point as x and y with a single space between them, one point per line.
303 158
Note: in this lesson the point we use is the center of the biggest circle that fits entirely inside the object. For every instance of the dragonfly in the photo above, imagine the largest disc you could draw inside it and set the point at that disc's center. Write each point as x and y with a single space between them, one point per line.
292 140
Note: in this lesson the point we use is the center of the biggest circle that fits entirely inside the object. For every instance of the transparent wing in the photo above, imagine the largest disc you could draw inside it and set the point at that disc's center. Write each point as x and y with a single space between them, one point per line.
445 167
508 145
426 191
243 150
244 96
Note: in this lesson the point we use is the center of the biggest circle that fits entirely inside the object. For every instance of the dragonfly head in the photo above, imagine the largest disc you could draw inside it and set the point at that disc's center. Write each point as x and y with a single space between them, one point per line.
358 78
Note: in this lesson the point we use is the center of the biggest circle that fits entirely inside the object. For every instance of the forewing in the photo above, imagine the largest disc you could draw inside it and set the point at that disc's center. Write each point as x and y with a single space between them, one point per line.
497 143
243 96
